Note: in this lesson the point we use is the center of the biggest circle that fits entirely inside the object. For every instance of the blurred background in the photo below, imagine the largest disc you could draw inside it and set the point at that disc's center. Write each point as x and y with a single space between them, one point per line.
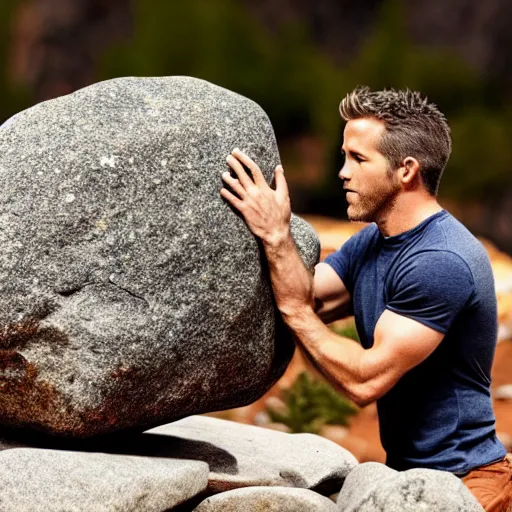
297 59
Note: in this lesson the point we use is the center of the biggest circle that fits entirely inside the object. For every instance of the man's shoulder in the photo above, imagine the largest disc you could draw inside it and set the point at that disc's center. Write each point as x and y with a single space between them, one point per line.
447 248
450 237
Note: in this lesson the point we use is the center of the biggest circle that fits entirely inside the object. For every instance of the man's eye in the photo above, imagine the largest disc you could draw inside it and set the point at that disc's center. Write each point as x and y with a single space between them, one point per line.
357 158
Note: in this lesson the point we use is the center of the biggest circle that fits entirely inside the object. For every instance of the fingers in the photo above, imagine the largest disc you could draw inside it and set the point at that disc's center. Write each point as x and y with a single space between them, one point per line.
281 185
257 175
239 170
231 198
234 184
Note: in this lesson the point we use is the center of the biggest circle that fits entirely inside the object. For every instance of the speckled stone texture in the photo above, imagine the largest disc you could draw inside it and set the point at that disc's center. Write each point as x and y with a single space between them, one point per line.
35 480
267 499
130 293
244 455
373 487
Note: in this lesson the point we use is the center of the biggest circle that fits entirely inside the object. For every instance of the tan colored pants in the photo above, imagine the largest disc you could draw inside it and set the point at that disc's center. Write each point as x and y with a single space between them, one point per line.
492 485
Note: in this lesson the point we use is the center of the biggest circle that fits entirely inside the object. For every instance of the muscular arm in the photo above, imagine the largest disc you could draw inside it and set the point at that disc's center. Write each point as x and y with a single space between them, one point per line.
364 375
293 285
400 344
332 299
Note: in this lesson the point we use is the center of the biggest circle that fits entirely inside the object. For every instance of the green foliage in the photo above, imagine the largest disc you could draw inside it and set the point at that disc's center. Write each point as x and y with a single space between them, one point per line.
482 155
390 58
310 404
220 42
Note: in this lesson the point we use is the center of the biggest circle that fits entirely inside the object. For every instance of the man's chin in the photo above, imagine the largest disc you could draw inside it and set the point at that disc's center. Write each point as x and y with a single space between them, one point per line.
354 216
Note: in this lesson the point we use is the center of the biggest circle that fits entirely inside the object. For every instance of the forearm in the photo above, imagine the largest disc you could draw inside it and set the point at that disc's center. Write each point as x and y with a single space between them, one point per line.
292 282
342 361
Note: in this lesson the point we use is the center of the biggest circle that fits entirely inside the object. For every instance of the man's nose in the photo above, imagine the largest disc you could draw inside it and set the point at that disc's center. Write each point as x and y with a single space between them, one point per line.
344 173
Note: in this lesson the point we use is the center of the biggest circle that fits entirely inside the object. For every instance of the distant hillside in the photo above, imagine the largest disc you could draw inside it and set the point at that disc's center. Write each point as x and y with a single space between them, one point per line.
56 42
480 31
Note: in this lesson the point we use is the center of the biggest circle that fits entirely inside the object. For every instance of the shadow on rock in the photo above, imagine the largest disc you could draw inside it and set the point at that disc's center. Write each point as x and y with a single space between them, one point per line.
145 445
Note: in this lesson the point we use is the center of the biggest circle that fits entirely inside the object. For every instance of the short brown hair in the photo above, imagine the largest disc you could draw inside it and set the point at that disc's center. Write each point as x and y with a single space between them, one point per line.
414 127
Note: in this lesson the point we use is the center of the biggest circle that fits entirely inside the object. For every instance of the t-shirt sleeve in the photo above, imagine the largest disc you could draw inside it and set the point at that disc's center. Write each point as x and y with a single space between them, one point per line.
346 260
433 289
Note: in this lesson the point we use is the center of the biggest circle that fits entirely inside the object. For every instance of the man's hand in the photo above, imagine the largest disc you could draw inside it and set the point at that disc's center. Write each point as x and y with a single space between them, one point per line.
266 211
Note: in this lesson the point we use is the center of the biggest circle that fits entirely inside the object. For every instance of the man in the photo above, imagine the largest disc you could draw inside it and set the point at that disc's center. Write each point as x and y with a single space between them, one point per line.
419 284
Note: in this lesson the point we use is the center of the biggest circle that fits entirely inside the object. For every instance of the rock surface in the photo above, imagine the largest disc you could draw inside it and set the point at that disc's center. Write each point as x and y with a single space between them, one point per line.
130 293
34 480
244 455
373 487
268 499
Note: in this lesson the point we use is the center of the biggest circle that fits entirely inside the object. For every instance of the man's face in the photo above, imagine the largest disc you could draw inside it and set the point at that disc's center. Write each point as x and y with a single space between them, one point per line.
371 188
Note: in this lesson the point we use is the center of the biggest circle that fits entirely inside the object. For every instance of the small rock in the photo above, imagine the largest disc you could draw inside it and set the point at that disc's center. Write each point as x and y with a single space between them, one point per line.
503 392
373 487
35 480
280 427
267 499
262 419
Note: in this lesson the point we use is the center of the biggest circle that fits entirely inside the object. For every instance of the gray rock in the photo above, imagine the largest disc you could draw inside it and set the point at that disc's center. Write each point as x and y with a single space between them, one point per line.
35 480
503 392
268 499
131 294
373 487
243 455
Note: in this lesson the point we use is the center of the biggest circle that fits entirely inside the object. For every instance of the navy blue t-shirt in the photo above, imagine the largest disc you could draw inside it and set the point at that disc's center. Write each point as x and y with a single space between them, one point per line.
439 414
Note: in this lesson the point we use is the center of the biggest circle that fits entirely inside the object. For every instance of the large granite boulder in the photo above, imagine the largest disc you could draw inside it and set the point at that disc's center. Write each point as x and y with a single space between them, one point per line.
373 487
130 293
34 480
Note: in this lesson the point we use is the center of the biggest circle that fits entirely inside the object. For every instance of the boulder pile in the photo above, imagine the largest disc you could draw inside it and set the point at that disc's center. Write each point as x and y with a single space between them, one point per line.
207 464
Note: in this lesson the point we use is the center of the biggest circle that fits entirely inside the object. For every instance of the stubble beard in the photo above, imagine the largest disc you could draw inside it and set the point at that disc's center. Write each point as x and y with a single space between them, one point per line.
371 208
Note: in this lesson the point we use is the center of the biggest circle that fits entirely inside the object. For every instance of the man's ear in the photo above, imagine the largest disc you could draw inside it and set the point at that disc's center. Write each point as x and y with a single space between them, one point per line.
409 170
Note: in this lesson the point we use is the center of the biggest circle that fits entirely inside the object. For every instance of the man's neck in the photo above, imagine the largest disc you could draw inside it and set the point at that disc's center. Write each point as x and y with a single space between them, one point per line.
406 213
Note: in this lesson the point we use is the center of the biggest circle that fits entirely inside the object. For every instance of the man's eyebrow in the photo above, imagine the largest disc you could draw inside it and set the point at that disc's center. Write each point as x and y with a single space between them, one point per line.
352 152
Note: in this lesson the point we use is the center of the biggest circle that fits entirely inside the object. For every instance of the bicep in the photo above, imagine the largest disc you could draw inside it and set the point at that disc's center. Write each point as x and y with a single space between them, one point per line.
400 344
332 299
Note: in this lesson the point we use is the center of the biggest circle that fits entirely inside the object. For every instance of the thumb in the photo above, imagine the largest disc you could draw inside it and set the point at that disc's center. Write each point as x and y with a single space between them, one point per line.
281 185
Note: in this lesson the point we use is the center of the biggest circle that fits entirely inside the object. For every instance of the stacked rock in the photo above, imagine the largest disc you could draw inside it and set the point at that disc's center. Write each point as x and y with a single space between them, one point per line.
207 464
